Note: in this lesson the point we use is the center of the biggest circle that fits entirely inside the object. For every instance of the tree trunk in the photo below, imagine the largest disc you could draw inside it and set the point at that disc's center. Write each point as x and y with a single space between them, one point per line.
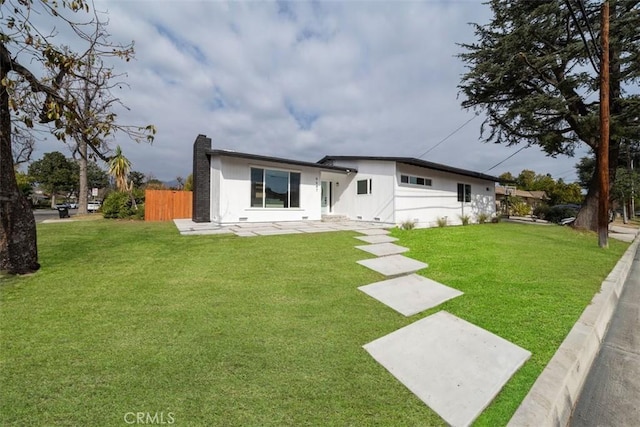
83 197
587 217
18 243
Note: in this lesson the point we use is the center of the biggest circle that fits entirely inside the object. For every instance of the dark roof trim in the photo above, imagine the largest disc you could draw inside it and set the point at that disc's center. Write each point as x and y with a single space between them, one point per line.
415 162
256 157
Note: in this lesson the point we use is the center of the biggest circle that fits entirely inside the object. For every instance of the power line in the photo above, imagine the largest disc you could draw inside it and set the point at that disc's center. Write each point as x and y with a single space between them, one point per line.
596 47
449 136
584 38
499 163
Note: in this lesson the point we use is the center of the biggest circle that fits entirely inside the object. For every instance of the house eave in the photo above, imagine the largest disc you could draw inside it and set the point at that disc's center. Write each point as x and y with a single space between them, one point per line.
415 162
261 158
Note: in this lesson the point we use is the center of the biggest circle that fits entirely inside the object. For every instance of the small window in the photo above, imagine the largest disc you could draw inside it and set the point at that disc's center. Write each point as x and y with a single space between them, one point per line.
464 193
364 186
415 180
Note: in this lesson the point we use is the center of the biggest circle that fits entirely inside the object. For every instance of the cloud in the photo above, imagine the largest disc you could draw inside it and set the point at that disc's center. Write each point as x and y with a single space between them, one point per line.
303 79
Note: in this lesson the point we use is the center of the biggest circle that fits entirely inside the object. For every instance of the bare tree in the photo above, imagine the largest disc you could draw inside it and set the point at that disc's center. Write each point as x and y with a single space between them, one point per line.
36 79
93 94
22 147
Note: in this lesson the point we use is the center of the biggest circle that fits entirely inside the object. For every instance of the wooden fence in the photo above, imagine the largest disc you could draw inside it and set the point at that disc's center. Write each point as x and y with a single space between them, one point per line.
165 205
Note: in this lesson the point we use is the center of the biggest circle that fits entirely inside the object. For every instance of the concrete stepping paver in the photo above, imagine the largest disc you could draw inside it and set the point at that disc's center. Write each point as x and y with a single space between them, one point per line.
379 238
383 249
410 294
393 265
453 366
315 230
245 234
373 231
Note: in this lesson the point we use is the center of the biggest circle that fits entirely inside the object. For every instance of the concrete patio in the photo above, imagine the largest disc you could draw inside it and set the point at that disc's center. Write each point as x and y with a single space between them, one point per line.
249 229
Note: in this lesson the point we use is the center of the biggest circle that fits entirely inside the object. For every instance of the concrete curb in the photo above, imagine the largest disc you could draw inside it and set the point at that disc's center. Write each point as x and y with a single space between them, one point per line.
553 396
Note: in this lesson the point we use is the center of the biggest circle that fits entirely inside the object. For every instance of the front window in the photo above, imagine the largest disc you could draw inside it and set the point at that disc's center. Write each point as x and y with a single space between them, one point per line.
274 188
464 193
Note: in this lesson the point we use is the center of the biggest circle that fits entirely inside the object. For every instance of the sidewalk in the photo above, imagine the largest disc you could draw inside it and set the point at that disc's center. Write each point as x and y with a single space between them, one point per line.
611 392
555 394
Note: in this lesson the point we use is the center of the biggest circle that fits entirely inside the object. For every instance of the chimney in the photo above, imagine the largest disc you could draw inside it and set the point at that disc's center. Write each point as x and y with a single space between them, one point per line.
201 211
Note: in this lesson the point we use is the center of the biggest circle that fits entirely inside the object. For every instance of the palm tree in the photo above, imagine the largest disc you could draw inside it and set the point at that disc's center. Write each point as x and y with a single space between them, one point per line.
119 167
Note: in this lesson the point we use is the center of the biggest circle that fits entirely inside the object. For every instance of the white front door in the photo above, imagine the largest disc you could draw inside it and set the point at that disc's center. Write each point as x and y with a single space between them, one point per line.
325 197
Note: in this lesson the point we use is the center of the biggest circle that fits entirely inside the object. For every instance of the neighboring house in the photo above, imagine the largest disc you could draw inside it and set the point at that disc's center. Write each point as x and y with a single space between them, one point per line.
231 187
531 198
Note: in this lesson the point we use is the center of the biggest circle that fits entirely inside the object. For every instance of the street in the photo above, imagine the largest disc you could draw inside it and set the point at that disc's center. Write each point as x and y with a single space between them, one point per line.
611 392
43 214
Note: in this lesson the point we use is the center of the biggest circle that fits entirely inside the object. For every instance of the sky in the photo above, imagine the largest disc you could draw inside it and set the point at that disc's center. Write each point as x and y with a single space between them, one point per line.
302 80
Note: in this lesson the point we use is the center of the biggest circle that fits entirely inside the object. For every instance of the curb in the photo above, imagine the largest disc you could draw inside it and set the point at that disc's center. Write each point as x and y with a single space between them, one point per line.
553 396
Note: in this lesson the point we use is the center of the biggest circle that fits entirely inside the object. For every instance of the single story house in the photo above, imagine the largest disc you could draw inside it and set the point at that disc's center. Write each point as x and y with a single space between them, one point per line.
531 198
231 187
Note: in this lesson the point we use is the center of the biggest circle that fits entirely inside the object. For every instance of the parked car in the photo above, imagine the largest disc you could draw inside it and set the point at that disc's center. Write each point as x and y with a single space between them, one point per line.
94 205
567 221
63 206
73 205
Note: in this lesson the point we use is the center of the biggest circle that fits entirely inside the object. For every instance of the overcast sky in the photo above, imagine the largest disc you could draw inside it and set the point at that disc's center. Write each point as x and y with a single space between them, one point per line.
304 79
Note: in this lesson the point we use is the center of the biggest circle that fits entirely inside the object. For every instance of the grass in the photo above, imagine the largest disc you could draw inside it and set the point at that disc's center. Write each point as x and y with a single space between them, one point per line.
219 330
525 283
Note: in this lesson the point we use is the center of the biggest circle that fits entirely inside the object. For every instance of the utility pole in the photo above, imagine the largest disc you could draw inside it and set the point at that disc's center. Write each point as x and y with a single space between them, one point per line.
633 191
603 147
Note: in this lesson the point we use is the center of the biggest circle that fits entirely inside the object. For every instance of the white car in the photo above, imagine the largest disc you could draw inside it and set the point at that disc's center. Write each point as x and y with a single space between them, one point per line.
94 206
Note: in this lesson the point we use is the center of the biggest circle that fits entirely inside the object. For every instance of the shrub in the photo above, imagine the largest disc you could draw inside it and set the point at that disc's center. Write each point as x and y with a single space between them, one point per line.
520 208
483 217
408 224
139 214
541 211
118 205
465 219
557 213
442 222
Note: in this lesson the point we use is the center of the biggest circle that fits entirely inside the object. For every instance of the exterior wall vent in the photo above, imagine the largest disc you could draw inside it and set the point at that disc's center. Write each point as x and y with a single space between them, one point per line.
243 218
359 217
305 217
376 219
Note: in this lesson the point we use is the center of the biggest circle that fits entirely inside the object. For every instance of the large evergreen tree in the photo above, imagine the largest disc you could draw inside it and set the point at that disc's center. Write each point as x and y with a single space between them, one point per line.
533 71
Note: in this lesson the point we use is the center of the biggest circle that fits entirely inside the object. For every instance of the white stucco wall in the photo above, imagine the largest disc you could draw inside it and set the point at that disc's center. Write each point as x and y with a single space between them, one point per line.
234 193
215 189
389 202
425 205
377 206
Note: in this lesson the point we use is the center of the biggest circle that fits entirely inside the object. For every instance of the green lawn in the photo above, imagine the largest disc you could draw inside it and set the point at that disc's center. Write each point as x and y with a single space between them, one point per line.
220 330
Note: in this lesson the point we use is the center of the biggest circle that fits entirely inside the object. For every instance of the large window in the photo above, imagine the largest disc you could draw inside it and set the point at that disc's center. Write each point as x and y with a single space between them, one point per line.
464 193
274 188
415 180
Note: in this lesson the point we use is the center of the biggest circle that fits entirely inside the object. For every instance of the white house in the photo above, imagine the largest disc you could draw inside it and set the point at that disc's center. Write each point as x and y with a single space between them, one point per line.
232 187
